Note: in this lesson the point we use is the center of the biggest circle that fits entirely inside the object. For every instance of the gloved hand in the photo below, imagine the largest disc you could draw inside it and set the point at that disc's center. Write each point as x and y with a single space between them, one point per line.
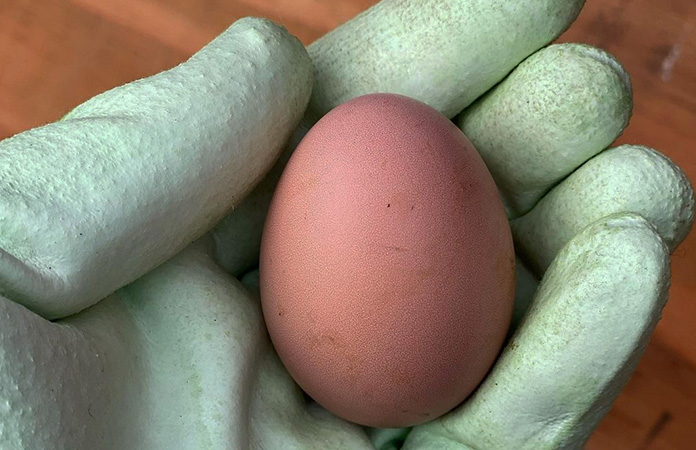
105 205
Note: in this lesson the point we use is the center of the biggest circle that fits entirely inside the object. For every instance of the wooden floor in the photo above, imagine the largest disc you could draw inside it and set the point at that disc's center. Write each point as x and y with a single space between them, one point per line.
54 54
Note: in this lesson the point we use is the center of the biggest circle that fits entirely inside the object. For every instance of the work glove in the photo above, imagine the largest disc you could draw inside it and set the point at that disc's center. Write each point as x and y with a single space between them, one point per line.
129 232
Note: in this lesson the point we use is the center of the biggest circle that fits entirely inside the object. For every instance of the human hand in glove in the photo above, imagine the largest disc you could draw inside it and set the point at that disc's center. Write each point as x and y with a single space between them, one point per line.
106 219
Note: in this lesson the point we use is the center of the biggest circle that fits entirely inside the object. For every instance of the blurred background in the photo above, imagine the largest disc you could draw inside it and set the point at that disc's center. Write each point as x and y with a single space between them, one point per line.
55 54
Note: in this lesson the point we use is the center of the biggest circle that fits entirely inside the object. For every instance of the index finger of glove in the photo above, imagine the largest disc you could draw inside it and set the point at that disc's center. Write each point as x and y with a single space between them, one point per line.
443 53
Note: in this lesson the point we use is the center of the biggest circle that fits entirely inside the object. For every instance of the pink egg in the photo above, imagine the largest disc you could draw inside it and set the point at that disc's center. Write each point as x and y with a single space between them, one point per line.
387 264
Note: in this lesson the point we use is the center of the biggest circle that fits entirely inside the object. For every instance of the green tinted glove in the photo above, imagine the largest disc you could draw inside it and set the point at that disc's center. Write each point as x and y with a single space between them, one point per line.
179 358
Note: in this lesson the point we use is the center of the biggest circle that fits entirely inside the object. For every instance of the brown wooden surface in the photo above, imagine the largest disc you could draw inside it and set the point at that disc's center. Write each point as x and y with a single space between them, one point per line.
54 54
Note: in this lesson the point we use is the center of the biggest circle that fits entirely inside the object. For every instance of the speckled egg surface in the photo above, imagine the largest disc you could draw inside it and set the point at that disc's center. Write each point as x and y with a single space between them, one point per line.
387 264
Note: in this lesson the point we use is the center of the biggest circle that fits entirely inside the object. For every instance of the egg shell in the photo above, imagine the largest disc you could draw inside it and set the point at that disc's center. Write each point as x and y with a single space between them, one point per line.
387 263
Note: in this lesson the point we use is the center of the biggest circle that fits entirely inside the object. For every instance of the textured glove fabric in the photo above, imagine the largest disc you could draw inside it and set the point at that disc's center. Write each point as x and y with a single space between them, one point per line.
107 210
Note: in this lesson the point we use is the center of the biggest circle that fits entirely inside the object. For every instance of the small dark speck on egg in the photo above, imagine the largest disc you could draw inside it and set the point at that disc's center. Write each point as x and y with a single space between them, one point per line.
388 205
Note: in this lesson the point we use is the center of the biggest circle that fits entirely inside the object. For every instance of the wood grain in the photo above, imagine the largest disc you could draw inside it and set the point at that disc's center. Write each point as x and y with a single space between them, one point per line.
55 54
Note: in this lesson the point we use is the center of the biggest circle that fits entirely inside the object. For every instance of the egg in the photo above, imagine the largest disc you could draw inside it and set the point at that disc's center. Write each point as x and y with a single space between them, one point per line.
387 263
